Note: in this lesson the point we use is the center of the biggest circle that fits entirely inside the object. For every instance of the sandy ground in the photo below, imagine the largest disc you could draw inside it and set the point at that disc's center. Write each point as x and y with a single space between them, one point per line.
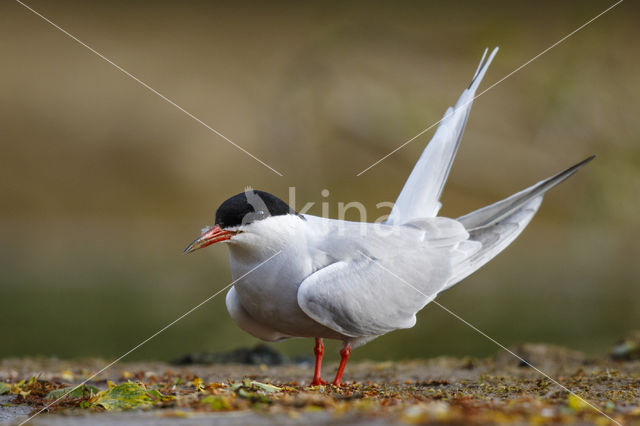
500 389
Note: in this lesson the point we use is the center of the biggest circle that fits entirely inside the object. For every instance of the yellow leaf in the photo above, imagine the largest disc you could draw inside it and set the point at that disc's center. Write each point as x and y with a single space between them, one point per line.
67 375
127 396
198 384
216 403
211 387
577 403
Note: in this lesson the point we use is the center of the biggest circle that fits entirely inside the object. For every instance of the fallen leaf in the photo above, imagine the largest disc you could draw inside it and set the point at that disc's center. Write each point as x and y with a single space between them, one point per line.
198 383
265 387
4 388
212 387
17 387
78 392
216 403
576 403
127 396
253 390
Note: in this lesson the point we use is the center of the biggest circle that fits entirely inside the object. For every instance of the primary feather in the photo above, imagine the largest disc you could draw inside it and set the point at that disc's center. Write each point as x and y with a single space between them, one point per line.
420 196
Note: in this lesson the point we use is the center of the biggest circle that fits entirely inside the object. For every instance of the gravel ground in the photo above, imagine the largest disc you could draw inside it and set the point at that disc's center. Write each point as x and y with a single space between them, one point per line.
500 389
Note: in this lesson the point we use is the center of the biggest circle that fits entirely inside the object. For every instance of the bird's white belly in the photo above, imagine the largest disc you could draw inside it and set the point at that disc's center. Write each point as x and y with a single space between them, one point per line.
270 295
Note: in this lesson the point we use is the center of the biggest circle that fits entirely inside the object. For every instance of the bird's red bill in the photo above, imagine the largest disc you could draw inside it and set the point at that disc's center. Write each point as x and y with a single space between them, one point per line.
208 237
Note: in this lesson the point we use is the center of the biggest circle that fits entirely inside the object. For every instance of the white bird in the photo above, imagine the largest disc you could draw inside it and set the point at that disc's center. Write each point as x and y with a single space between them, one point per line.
353 281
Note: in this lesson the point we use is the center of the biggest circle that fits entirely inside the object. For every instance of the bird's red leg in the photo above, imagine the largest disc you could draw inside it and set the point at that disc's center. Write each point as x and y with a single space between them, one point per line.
319 351
344 357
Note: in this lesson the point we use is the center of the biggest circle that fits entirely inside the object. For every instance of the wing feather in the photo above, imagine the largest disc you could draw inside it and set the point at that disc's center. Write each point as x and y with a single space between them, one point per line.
493 213
379 281
497 225
421 193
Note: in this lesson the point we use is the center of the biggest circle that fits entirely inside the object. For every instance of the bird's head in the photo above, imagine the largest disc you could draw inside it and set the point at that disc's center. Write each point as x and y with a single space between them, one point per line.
240 214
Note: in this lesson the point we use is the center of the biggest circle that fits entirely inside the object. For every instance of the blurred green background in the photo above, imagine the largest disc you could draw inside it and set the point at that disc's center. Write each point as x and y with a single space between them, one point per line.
103 183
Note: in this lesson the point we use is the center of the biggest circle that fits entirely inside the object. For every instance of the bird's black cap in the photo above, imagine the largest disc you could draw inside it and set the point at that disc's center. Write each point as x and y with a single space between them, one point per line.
250 206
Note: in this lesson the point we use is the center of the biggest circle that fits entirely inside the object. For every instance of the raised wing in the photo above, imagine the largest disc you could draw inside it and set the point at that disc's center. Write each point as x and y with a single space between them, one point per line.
380 280
421 193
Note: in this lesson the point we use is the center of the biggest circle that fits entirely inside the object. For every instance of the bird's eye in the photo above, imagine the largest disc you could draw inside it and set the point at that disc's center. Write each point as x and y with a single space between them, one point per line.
260 212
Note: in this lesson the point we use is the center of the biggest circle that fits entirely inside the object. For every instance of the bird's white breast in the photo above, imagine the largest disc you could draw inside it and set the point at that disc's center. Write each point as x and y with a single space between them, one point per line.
269 293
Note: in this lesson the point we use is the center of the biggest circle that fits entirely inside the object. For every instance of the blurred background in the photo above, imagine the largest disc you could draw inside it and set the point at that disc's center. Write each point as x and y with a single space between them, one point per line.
103 183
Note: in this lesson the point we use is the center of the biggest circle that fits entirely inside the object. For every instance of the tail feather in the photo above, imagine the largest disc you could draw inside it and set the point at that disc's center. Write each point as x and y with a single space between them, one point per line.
493 213
497 225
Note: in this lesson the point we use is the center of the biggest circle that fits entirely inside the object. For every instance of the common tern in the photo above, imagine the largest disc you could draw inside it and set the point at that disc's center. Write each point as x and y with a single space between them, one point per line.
356 281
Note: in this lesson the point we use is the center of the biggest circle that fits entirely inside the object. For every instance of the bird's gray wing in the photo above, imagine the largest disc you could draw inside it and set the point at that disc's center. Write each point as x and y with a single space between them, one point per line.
421 193
378 283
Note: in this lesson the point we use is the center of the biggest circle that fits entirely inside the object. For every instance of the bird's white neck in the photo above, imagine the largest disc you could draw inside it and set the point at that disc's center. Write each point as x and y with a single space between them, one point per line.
262 239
